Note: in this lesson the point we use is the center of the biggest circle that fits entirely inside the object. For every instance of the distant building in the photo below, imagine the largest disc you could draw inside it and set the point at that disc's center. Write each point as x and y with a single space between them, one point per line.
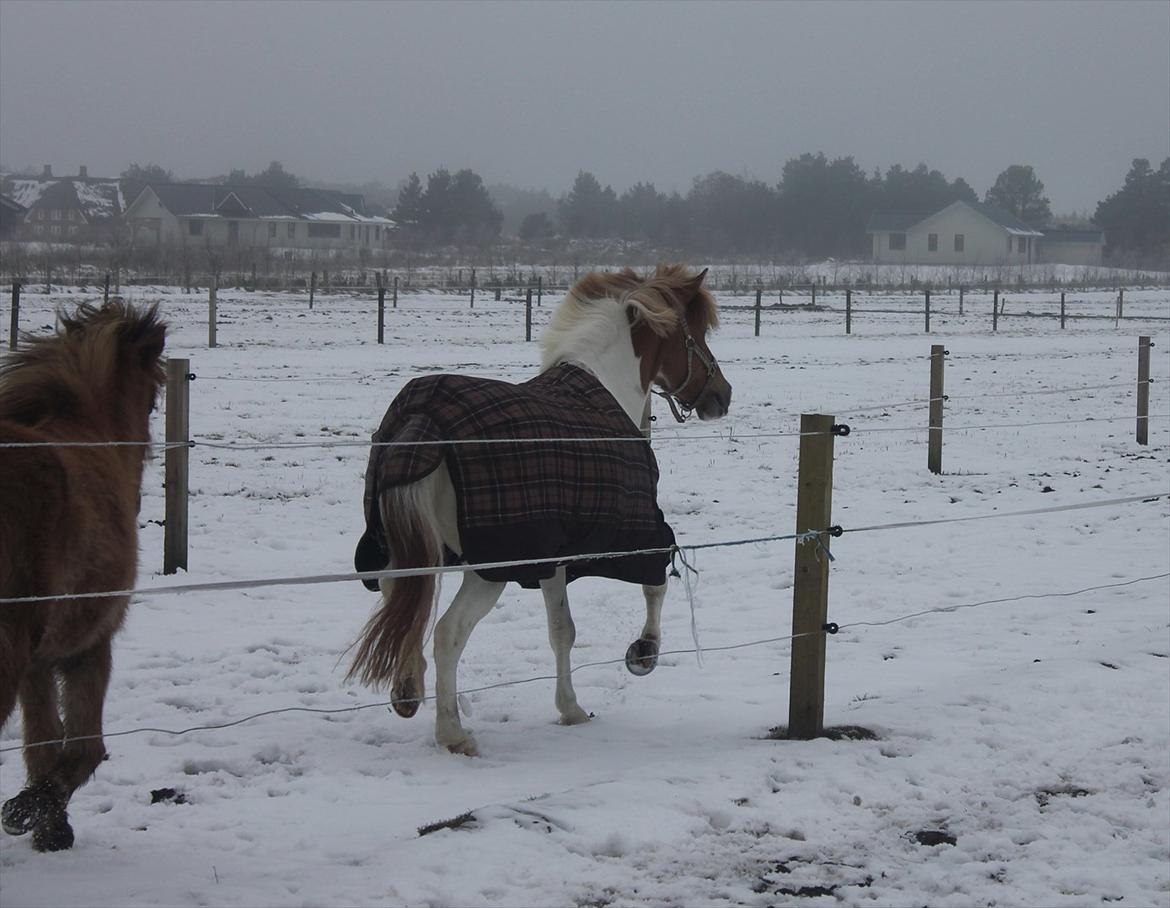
965 233
256 217
76 209
11 216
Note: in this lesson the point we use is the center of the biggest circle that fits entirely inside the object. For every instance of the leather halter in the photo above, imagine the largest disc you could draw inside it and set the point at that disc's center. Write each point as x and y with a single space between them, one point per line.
711 366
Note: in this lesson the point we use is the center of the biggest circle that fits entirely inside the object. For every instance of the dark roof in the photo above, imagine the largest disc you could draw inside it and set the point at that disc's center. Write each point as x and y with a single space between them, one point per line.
904 220
189 199
11 205
1074 235
895 220
98 200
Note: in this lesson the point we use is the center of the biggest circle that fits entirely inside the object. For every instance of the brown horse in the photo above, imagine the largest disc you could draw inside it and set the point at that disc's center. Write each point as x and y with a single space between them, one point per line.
69 524
588 487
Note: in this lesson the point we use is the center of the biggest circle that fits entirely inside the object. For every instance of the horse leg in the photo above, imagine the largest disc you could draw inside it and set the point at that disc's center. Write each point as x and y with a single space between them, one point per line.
642 656
41 799
475 599
561 634
15 653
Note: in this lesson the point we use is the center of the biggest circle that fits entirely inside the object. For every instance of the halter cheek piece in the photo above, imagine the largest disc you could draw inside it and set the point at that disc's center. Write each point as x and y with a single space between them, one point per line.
671 395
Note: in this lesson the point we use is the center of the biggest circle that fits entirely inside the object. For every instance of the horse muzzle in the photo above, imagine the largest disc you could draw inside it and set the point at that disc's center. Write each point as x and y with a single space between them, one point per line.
715 400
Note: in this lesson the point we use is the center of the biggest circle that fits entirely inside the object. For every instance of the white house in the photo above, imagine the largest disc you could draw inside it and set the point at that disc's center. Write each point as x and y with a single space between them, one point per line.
963 233
257 217
1072 247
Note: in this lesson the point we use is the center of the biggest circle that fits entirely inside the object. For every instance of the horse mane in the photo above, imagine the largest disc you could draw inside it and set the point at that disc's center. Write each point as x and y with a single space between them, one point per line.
658 301
72 371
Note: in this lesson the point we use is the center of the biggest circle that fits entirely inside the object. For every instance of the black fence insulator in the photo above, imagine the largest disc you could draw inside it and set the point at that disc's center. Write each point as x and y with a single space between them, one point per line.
840 429
830 628
835 530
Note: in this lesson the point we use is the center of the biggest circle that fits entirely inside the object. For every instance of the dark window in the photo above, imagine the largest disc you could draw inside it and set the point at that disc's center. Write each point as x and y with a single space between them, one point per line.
897 242
195 228
325 231
292 229
271 229
352 231
1021 244
1009 244
958 242
932 242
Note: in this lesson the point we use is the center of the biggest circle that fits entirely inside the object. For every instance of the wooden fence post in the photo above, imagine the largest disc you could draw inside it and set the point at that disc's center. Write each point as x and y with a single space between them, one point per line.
211 317
178 401
395 301
528 315
814 296
1120 302
381 309
960 299
540 291
1062 309
106 292
810 589
995 312
1143 390
14 324
935 434
848 311
927 312
759 299
472 306
312 288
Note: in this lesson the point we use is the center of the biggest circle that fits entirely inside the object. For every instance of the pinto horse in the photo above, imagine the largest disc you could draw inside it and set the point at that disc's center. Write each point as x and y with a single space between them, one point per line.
69 524
487 472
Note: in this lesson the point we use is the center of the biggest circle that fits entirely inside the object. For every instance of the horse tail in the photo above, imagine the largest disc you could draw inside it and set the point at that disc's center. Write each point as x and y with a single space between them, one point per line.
390 647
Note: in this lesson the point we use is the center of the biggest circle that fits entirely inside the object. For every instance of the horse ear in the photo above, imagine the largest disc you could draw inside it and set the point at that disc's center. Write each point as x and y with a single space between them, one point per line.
697 281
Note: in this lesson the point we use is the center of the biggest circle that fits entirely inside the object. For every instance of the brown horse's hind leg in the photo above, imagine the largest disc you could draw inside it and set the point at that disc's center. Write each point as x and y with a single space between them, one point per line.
15 651
41 802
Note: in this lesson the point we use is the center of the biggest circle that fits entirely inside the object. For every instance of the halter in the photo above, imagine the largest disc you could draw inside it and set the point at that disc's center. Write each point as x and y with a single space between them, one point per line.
677 404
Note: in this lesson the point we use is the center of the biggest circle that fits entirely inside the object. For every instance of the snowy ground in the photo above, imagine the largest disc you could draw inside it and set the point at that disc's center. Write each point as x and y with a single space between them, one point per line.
1035 733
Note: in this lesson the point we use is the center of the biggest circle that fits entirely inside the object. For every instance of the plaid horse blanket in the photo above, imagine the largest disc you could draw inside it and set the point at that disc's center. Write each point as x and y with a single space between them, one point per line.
520 499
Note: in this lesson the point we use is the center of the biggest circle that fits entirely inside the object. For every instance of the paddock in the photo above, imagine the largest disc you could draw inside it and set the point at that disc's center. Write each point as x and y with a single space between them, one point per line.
1028 737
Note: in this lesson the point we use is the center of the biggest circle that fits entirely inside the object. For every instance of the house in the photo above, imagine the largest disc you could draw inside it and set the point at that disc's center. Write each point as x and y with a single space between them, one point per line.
11 216
971 233
963 233
76 209
211 216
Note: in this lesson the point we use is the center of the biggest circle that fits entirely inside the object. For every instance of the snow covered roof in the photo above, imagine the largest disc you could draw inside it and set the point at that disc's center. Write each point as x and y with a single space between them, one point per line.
97 199
905 220
212 200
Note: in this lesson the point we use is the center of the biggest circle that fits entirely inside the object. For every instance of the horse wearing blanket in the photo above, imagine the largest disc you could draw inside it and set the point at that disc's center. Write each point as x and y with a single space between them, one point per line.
486 471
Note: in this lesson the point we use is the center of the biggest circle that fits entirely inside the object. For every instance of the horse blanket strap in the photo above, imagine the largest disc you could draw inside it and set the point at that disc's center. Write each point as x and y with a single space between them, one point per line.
542 499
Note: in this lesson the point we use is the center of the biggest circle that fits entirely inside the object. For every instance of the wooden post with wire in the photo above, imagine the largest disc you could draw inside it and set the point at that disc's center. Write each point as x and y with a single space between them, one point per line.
935 434
395 300
810 589
106 291
1143 390
960 299
177 459
14 323
212 289
472 305
1062 310
928 312
540 291
312 288
848 311
381 309
759 300
995 312
528 315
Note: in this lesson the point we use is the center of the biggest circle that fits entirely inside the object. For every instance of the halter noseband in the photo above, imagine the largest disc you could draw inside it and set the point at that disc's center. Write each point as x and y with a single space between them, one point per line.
677 404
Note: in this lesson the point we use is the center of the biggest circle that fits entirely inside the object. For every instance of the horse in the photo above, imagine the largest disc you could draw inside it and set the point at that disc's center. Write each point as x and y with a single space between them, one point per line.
553 468
69 524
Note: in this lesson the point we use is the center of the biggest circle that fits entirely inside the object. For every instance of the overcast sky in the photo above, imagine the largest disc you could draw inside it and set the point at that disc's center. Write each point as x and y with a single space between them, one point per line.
530 93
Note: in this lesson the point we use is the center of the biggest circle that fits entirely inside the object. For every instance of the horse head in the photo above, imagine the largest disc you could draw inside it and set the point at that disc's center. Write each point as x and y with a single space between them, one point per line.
672 313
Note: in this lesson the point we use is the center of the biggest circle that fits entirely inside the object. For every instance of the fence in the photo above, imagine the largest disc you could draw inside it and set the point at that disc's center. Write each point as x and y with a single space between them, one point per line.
813 531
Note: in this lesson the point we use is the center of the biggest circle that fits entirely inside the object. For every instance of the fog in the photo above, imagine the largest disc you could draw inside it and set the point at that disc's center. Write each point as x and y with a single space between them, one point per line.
529 94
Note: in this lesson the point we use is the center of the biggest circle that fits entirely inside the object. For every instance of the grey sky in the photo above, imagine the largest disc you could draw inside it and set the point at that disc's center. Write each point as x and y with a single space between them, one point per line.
531 93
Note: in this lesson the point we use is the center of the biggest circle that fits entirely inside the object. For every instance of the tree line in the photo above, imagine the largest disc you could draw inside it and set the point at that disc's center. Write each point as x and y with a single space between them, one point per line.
818 209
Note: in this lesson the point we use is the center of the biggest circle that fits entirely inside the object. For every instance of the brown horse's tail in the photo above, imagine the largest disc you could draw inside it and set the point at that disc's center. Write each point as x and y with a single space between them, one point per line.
389 650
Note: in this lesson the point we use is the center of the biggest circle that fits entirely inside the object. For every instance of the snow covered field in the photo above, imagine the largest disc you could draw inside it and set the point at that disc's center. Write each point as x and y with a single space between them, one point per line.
1032 736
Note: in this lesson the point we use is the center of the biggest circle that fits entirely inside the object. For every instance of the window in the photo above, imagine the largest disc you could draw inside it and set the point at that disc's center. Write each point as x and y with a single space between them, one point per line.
959 242
352 231
55 230
932 242
56 214
1009 245
1021 244
897 242
69 214
73 231
325 231
195 228
292 229
38 230
272 230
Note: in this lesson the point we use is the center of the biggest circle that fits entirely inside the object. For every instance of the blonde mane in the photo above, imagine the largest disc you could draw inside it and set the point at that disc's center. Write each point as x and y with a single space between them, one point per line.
597 303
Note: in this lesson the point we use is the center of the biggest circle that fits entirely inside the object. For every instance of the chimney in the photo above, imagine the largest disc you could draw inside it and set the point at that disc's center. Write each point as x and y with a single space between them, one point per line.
47 172
83 172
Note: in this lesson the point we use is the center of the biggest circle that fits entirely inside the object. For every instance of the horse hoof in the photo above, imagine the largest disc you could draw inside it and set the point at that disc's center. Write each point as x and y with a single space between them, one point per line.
642 656
405 700
53 833
465 748
30 808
